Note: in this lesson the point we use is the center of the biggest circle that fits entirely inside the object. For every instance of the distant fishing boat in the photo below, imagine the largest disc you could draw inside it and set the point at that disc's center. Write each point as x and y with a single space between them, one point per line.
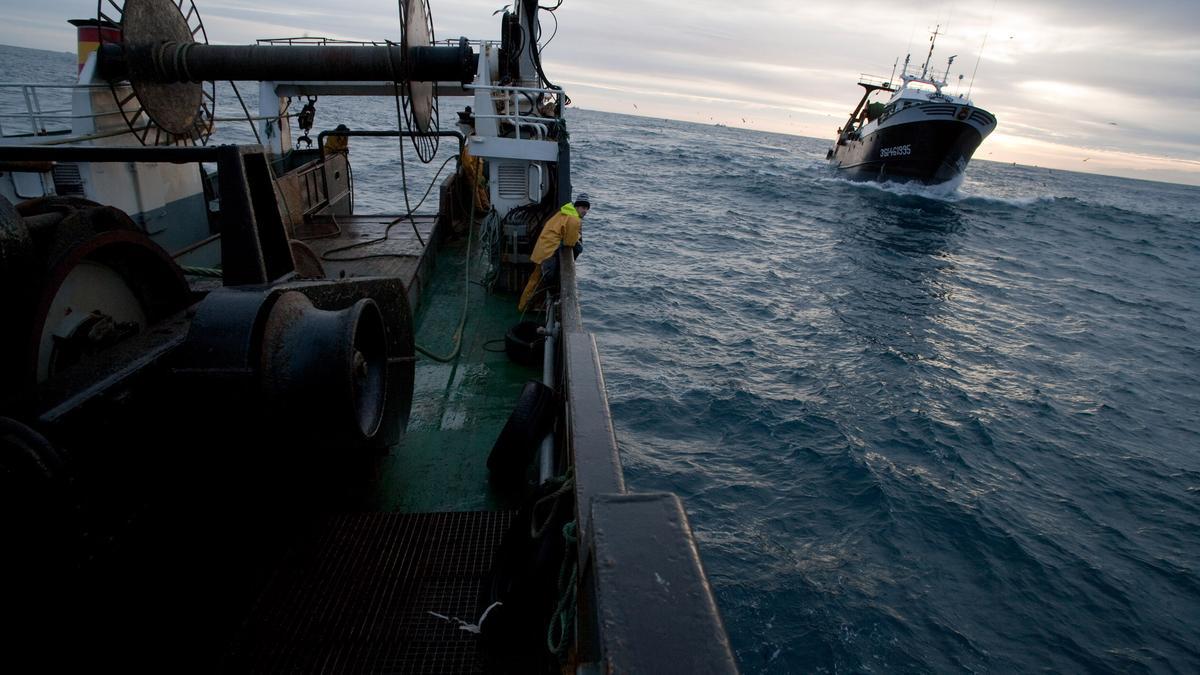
922 134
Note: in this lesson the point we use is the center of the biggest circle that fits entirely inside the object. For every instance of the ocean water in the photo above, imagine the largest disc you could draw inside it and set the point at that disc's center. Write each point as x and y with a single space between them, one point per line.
915 430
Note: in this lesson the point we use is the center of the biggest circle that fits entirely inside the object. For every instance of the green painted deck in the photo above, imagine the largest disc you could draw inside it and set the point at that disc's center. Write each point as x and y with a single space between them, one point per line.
458 408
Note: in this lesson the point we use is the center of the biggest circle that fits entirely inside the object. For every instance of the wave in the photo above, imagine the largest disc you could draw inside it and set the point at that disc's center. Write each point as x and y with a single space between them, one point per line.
950 192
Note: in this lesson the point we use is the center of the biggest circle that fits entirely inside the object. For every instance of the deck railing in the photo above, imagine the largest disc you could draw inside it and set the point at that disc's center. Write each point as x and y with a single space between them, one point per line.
320 40
508 102
24 113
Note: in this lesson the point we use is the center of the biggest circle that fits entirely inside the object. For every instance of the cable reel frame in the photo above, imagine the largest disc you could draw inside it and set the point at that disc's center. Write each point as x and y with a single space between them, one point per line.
175 114
419 99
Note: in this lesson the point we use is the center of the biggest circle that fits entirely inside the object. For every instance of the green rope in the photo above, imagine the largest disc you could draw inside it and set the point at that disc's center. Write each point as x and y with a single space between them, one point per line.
214 272
558 633
566 485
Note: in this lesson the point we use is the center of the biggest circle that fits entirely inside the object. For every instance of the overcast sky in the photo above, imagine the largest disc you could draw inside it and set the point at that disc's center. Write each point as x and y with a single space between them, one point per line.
1092 85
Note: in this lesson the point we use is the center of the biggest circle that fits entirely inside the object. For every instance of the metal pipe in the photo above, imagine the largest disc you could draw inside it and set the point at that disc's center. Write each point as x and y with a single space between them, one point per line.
194 62
546 450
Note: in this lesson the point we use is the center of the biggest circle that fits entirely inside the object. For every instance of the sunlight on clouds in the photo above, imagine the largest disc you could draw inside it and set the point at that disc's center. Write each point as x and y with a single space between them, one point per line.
1069 81
1004 147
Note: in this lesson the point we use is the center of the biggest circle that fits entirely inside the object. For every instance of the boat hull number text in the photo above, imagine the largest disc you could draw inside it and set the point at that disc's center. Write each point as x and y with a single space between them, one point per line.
896 151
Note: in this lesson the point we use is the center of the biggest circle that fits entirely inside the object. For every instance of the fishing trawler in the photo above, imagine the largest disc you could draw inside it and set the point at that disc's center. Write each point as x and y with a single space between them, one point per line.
922 133
246 428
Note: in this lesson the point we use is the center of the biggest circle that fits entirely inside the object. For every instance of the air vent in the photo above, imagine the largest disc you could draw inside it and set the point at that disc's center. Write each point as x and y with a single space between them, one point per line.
514 180
67 181
982 118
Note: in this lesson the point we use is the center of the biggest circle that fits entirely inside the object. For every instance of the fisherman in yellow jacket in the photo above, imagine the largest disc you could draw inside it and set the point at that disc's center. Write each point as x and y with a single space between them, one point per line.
563 229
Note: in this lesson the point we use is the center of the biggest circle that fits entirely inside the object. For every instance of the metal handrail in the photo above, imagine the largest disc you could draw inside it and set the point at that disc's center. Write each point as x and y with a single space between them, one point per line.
536 123
319 40
315 40
39 118
506 87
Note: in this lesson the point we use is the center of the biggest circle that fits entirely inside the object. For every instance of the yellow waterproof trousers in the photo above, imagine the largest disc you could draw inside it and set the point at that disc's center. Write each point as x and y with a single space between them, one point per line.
531 289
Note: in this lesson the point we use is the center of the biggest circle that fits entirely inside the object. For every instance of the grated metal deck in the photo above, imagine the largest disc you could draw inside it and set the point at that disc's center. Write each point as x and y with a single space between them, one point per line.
357 596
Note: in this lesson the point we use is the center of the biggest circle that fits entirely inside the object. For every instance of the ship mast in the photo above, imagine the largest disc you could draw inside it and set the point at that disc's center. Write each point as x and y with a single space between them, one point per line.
932 41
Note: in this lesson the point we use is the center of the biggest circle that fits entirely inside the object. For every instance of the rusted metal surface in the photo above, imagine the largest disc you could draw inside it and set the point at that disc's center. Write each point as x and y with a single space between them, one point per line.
390 294
308 264
29 167
172 106
17 267
16 245
104 381
148 271
323 372
398 254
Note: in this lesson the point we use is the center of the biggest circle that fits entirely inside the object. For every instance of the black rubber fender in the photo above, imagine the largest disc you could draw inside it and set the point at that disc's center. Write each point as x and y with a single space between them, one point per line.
529 422
524 345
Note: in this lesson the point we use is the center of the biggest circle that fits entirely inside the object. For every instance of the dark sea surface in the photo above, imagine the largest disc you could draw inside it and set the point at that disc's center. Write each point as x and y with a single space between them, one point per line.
915 430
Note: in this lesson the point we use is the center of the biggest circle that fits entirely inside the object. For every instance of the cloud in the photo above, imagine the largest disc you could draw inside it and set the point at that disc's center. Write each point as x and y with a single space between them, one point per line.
1055 74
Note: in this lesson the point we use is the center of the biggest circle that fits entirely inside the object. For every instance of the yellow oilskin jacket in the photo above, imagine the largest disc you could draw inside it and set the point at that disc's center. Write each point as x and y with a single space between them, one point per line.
561 230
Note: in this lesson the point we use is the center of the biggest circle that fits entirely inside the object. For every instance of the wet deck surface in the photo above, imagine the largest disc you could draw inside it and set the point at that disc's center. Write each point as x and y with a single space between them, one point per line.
370 235
458 408
374 245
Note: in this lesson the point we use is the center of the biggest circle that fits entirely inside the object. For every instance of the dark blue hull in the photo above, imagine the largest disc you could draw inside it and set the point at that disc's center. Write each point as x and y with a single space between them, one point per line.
929 152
